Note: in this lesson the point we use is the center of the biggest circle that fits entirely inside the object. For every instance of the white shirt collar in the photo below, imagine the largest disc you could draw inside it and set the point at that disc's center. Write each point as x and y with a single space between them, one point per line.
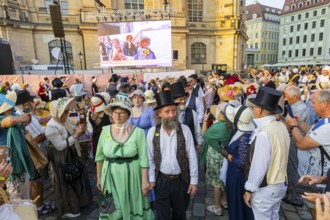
261 123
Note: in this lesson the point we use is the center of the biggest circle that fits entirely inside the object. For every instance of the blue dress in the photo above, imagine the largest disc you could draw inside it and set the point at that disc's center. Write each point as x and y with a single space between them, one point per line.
144 121
237 209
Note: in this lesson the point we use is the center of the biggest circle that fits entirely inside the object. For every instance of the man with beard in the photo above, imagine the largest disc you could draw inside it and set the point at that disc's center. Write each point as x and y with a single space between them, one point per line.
186 115
173 165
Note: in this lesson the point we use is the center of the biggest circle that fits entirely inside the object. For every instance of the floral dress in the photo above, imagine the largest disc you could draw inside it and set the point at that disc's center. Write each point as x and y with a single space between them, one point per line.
121 174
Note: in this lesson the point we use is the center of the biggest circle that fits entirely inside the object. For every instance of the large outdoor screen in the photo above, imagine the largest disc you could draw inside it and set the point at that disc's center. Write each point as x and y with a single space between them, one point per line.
135 44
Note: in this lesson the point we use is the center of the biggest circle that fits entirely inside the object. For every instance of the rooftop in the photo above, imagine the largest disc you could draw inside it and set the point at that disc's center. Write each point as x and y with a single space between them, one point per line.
267 13
292 6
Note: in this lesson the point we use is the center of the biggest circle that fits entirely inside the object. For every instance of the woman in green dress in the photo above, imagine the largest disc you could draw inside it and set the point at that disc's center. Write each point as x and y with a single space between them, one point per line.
122 165
215 137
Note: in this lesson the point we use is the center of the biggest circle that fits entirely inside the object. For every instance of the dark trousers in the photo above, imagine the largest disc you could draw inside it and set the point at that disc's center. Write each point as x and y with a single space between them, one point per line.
171 194
292 170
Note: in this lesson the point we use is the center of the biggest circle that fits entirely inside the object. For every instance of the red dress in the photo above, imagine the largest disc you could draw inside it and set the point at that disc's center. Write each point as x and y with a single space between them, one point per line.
42 92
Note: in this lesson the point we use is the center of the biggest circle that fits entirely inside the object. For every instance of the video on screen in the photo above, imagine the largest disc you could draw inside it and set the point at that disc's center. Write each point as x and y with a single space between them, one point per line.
135 44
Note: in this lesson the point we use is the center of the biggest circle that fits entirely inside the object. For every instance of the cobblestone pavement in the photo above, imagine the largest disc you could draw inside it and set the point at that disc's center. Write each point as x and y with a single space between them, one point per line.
196 210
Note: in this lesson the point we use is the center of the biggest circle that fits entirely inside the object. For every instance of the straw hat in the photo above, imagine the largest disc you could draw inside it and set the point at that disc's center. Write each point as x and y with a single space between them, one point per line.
118 103
149 96
226 93
39 104
99 101
217 109
241 117
7 101
322 85
57 107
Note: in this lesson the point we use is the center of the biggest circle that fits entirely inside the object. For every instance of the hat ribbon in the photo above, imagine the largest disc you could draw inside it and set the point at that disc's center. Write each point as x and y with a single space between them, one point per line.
4 99
94 106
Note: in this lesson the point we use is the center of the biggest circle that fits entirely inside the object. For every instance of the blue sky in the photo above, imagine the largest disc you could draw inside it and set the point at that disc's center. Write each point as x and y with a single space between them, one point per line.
273 3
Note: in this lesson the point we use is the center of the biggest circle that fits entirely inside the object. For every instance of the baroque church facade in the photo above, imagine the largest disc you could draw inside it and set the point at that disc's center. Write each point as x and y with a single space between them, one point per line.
204 32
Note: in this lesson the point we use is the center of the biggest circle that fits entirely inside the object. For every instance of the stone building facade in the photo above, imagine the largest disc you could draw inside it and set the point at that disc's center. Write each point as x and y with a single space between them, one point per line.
305 32
204 32
263 25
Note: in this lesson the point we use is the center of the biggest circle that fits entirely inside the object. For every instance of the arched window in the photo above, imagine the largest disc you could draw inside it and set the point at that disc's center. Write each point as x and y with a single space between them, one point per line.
286 8
301 5
54 46
308 3
198 53
195 10
134 4
293 7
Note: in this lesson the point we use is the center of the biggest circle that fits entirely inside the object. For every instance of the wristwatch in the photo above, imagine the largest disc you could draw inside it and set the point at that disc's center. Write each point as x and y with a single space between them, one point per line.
293 126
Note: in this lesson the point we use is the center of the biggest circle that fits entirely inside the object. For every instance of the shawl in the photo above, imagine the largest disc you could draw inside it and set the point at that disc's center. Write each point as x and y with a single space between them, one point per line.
216 136
20 156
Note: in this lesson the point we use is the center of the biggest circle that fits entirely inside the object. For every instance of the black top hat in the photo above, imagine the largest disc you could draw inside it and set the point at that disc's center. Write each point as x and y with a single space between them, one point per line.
163 99
184 82
114 78
268 99
177 90
23 96
166 85
57 83
194 76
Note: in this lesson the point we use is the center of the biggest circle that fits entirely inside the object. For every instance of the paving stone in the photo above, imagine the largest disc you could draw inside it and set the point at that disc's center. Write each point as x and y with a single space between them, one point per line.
199 209
288 207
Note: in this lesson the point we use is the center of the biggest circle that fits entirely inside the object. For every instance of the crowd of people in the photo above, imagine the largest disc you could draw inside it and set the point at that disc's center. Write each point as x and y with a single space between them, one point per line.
260 138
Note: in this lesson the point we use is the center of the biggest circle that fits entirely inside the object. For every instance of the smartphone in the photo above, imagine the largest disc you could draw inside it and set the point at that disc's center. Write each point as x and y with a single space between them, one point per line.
73 114
82 118
5 154
289 110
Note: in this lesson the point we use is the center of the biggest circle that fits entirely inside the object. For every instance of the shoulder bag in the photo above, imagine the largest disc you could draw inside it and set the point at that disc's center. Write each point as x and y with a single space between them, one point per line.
73 168
106 203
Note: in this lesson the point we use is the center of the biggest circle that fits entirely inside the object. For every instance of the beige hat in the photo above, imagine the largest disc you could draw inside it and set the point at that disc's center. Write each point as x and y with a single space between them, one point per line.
118 103
241 117
322 85
7 101
39 104
149 96
99 101
57 107
217 109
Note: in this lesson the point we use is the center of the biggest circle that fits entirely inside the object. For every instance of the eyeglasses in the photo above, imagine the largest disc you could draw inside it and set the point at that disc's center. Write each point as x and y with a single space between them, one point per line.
116 114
